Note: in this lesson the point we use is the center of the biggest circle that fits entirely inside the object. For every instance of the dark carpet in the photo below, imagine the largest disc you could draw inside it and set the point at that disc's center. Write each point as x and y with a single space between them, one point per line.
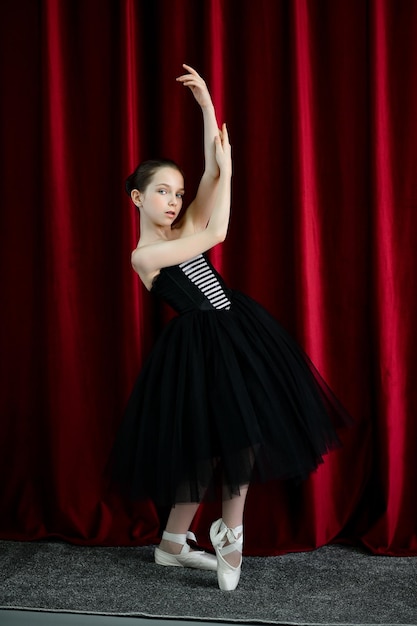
331 585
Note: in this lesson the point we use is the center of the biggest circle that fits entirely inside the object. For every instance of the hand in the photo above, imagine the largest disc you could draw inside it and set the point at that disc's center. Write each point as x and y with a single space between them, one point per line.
197 85
223 151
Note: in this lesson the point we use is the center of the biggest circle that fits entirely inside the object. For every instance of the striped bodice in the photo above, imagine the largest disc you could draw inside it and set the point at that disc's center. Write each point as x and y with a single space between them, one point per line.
201 274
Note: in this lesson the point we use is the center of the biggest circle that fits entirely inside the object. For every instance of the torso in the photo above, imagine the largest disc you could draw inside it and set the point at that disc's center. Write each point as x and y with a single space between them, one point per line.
193 285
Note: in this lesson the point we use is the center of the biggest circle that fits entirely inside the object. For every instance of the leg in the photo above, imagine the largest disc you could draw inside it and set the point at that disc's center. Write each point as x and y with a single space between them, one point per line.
232 508
179 521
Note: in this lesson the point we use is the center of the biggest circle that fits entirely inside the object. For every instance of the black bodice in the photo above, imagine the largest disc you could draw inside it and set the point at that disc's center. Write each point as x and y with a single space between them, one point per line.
190 286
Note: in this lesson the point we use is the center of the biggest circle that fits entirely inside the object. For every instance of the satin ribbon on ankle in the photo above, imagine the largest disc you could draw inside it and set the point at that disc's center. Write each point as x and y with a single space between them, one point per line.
231 534
176 538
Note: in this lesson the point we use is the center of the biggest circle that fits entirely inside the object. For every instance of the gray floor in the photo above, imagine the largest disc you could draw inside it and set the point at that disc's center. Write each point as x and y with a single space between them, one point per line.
32 618
36 618
54 583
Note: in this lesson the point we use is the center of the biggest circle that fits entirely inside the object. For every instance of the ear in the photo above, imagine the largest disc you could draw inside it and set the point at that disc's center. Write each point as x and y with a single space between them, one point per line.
136 196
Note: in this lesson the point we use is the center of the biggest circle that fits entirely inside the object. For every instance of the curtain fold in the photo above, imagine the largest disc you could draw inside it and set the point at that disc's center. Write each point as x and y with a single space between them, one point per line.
394 295
320 101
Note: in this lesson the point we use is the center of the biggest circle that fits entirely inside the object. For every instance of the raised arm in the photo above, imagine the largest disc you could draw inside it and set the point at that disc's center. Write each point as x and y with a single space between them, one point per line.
148 259
200 209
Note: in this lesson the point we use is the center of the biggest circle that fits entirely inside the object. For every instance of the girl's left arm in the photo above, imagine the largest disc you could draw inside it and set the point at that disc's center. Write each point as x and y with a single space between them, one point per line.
200 209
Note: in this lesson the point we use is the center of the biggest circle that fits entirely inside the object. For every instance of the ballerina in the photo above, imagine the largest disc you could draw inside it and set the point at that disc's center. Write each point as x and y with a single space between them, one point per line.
227 396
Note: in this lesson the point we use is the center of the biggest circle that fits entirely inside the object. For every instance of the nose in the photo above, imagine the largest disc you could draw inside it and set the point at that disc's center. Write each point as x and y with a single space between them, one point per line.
173 201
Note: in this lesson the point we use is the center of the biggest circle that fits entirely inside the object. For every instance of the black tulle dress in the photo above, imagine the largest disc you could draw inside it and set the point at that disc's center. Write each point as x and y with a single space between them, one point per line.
226 397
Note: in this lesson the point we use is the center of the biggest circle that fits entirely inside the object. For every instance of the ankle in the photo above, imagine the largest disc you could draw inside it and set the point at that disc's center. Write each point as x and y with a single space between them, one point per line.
170 546
227 539
232 533
236 537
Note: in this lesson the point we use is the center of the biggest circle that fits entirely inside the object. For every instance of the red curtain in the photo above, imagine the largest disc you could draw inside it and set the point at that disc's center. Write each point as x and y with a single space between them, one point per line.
320 98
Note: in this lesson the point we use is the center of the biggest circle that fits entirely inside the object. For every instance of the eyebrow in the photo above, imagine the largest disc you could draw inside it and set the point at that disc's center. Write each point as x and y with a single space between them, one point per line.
167 185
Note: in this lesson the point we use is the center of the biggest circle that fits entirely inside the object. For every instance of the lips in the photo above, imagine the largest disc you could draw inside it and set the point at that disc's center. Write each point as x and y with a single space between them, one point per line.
170 213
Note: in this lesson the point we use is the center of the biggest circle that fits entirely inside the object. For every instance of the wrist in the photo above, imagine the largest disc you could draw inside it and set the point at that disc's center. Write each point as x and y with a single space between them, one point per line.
225 172
212 171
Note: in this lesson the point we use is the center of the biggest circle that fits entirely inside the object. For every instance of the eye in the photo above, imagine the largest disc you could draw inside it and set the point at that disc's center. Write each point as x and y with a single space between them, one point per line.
162 191
180 195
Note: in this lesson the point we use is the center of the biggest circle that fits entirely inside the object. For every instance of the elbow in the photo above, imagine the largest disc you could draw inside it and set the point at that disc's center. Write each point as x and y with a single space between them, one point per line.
220 235
223 236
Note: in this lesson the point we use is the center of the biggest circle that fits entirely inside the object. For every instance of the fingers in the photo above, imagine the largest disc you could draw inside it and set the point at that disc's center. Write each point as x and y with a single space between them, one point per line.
192 75
189 79
224 135
197 86
190 69
223 151
221 140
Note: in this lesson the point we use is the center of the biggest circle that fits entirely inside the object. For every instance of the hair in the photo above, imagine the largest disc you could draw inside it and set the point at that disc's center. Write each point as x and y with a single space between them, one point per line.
143 174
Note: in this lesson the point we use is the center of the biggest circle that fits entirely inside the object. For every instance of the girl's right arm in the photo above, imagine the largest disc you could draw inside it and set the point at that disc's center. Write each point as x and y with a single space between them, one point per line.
199 211
147 260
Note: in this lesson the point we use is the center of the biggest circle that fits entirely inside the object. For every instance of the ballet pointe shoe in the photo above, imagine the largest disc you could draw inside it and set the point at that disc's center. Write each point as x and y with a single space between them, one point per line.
227 575
187 557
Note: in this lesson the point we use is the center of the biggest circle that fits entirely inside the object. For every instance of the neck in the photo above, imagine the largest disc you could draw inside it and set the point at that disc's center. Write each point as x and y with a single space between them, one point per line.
150 233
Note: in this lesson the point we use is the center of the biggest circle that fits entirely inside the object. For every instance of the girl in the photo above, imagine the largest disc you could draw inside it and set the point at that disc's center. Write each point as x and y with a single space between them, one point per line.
226 397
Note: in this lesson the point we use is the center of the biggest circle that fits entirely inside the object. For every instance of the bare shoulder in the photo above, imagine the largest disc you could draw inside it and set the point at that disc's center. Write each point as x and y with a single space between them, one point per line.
181 244
148 258
136 257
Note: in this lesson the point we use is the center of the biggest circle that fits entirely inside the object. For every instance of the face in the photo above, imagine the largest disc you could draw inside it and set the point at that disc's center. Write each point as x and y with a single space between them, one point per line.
162 200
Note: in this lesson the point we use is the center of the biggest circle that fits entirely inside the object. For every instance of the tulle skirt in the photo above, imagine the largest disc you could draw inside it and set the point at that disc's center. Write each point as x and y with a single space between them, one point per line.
226 398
